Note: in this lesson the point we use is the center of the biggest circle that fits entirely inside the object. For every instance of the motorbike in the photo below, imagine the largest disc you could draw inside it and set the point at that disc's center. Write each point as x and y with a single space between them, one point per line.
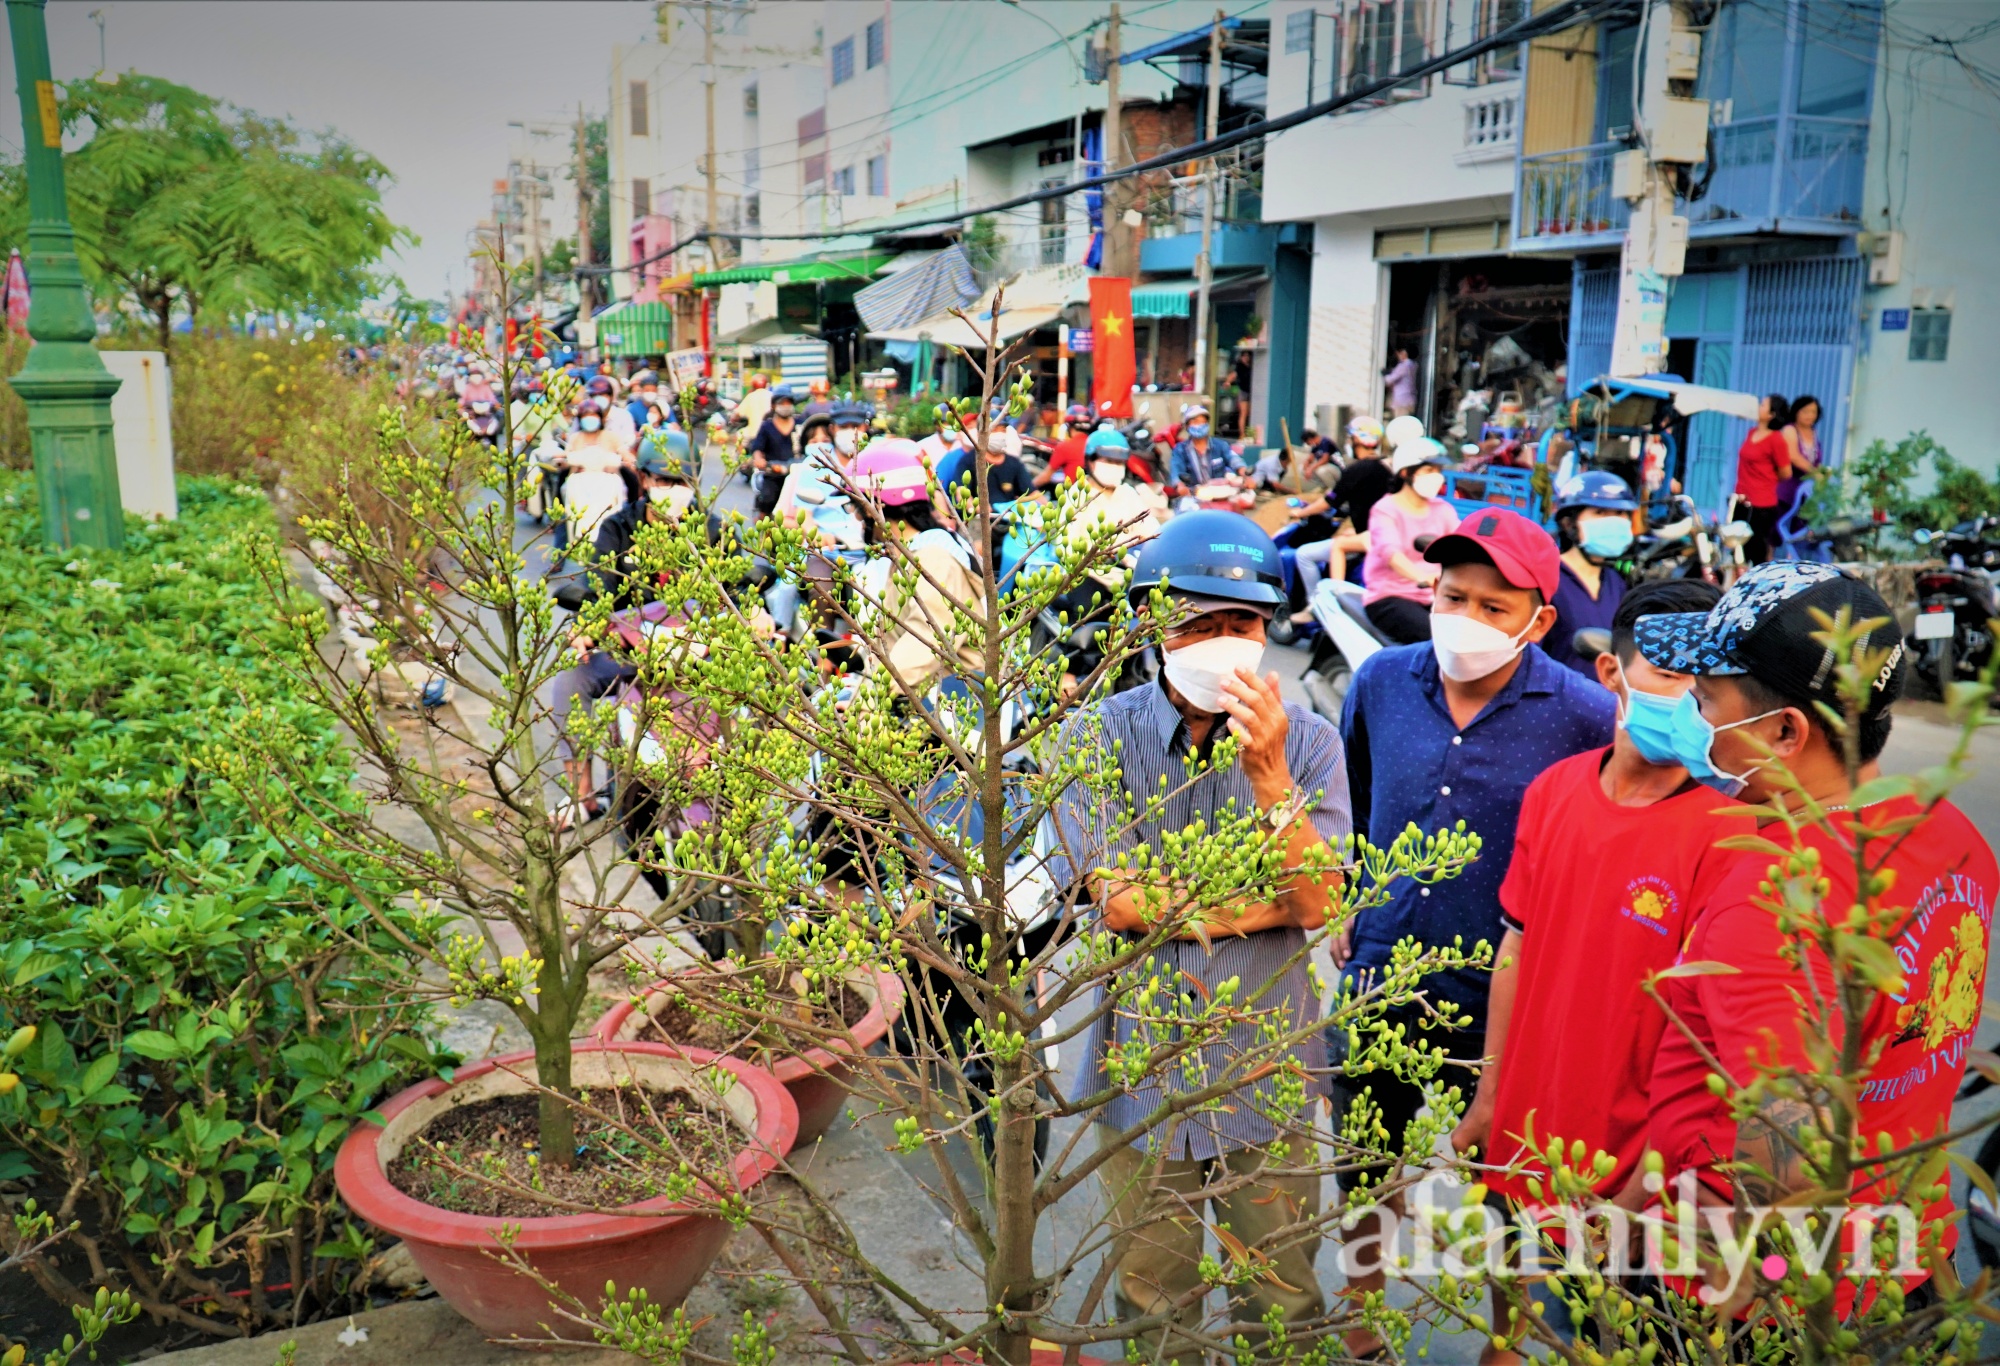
482 418
1285 631
1690 546
1346 638
1956 603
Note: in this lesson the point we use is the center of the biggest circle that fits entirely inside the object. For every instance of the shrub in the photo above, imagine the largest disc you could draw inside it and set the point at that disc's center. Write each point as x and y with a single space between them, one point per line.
210 1018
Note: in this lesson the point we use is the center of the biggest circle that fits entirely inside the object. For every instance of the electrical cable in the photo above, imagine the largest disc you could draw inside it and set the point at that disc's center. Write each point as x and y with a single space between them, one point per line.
1564 15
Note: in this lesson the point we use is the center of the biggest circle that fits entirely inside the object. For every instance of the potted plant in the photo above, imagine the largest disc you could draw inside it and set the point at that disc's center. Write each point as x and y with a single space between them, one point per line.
462 812
447 1171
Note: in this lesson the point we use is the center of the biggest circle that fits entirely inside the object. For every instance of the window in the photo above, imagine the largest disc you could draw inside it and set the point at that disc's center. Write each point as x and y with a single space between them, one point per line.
753 209
813 125
1299 31
843 180
1748 44
1837 59
1614 82
878 176
815 169
1385 38
1499 15
642 196
878 43
750 98
1055 224
637 97
1055 156
843 61
1930 333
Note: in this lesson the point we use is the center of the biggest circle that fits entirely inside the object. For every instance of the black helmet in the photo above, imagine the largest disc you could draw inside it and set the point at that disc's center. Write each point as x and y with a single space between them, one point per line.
1211 554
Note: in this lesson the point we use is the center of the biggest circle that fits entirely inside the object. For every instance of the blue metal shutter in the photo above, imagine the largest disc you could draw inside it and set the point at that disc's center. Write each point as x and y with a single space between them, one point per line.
1801 320
1593 317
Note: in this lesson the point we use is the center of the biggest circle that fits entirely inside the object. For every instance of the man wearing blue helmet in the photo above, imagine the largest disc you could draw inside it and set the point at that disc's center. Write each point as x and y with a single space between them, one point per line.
1221 573
1594 524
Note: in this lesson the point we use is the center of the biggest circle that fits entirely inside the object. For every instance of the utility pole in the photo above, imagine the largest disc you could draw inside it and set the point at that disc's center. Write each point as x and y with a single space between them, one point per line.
708 155
586 290
64 383
1204 272
1673 137
1116 195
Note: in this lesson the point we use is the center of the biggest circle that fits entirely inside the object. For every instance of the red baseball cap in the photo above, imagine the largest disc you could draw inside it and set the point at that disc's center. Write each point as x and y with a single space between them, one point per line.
1525 555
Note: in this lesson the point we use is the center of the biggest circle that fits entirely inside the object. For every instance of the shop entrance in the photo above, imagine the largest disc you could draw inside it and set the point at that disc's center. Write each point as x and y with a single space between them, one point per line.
1489 335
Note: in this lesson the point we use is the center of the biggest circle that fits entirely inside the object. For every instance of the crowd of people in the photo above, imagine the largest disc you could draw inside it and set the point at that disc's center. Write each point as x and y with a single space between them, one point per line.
1603 785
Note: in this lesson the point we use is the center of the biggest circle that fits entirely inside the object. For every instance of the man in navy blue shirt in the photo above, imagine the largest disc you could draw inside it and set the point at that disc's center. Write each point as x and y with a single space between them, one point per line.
1450 730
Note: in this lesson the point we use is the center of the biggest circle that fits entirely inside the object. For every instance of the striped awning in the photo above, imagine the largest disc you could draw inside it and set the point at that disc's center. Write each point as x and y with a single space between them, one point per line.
942 282
1164 298
630 329
860 267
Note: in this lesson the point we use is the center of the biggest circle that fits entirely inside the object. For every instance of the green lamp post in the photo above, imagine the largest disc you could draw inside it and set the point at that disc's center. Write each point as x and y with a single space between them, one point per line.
64 383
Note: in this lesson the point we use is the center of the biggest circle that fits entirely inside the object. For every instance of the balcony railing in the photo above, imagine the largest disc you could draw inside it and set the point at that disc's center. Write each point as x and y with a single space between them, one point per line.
1762 174
1492 126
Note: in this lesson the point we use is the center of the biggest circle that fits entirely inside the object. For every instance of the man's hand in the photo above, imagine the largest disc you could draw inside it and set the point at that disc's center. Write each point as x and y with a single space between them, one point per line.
1474 1128
1256 711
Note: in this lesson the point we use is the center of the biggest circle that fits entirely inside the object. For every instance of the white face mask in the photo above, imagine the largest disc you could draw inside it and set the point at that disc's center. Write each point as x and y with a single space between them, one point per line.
676 498
846 440
1198 671
1428 484
1469 650
1107 472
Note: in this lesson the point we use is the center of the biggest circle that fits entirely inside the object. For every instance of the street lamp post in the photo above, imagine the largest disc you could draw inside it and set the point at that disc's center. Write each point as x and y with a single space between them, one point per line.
64 383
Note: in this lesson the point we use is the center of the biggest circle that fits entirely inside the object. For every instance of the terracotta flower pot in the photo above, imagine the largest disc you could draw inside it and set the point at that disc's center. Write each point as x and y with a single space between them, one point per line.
661 1254
817 1078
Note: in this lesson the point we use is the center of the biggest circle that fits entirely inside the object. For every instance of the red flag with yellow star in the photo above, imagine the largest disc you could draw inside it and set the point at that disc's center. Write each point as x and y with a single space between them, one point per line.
1113 364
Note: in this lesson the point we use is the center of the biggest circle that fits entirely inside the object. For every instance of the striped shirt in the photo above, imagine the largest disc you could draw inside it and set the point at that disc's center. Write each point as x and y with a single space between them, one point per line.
1142 735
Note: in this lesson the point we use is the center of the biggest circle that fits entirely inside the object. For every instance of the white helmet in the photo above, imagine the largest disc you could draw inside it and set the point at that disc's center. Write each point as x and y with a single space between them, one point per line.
1418 450
1401 429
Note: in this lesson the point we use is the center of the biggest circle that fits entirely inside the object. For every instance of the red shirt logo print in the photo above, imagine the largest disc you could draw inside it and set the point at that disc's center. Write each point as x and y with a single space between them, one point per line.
1650 901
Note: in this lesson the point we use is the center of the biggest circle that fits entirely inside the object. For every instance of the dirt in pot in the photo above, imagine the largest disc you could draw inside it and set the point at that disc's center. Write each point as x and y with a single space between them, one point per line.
709 1023
476 1159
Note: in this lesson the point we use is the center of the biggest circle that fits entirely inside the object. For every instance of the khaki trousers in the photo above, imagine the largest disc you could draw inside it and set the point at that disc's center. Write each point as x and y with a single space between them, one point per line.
1157 1209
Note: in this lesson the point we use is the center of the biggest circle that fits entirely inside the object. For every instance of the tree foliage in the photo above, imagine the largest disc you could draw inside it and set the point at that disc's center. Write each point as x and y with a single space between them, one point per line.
184 203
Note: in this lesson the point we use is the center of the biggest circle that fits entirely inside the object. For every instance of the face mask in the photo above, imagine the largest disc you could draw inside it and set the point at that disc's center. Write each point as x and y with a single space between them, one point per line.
592 423
819 450
1606 537
1198 671
1649 719
846 440
1428 484
1107 472
1694 745
1197 430
675 498
782 409
1469 650
996 444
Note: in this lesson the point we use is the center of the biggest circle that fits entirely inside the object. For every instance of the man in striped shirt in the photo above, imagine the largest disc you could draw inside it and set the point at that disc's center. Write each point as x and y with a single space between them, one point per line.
1287 782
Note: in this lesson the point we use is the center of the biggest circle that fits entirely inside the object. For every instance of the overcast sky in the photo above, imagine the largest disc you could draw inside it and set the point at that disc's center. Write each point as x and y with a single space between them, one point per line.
427 86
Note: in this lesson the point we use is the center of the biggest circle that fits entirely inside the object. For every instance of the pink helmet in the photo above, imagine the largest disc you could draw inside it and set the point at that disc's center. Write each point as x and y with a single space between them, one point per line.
891 470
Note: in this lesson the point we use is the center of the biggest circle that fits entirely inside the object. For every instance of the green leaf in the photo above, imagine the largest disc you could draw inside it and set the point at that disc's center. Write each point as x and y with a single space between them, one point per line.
36 965
1882 789
96 1075
1697 969
152 1043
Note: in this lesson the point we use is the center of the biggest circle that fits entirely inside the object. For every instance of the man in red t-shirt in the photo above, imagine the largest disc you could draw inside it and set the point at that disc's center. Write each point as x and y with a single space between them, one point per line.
1614 849
1759 674
1066 456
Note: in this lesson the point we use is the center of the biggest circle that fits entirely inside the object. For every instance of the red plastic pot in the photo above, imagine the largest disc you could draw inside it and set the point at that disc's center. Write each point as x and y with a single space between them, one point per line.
816 1078
662 1254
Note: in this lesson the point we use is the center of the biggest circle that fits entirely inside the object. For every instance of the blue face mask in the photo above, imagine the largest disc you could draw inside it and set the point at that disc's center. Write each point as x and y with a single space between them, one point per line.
1648 719
1197 430
1693 740
1606 538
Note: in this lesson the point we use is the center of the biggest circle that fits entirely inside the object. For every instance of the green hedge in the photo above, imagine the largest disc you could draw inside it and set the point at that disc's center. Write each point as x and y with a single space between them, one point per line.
211 1018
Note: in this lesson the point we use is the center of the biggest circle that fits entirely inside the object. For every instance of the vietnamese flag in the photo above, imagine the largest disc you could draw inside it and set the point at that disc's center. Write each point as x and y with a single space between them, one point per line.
1114 366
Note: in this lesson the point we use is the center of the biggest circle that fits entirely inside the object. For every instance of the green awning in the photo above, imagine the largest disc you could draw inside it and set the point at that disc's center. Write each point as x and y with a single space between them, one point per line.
630 329
797 272
1163 298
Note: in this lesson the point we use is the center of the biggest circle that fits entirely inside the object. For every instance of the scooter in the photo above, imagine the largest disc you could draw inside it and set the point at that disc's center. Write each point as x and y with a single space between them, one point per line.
482 419
1283 630
1347 638
1956 604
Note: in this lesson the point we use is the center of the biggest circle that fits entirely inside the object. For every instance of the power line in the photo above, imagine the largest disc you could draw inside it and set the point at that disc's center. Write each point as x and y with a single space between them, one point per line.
1565 15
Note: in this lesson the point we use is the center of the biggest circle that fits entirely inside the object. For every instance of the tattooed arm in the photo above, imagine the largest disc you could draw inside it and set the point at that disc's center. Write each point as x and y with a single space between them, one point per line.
1771 1149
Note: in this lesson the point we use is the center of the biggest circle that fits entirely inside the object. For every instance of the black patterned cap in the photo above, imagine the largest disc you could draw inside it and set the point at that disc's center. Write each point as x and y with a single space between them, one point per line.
1764 627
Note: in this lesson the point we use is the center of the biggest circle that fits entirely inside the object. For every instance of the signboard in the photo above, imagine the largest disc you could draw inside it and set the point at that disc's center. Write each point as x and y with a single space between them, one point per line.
1895 320
684 367
1079 340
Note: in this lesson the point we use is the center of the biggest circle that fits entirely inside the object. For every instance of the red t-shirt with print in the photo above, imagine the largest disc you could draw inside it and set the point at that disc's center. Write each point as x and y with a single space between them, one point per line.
1602 895
1946 878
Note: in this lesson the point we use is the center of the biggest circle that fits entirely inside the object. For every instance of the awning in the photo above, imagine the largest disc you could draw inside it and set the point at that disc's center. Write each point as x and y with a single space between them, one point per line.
1690 399
630 329
795 272
1034 298
1172 296
942 282
676 284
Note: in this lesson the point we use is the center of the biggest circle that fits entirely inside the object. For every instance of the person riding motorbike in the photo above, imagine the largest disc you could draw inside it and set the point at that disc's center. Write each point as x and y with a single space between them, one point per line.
1363 484
1594 526
479 405
1201 458
595 486
1135 510
949 438
899 521
772 451
1399 581
1066 459
755 405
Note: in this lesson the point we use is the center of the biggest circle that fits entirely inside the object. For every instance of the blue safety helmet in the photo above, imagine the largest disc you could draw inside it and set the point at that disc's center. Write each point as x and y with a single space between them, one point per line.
1107 443
666 453
1595 489
851 412
1211 554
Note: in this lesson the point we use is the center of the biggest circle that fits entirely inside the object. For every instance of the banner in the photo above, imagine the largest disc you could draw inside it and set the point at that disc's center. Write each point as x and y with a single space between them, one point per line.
685 368
1114 364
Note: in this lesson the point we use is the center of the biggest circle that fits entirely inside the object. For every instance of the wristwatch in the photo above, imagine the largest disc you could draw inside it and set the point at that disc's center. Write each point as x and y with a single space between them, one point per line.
1285 812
